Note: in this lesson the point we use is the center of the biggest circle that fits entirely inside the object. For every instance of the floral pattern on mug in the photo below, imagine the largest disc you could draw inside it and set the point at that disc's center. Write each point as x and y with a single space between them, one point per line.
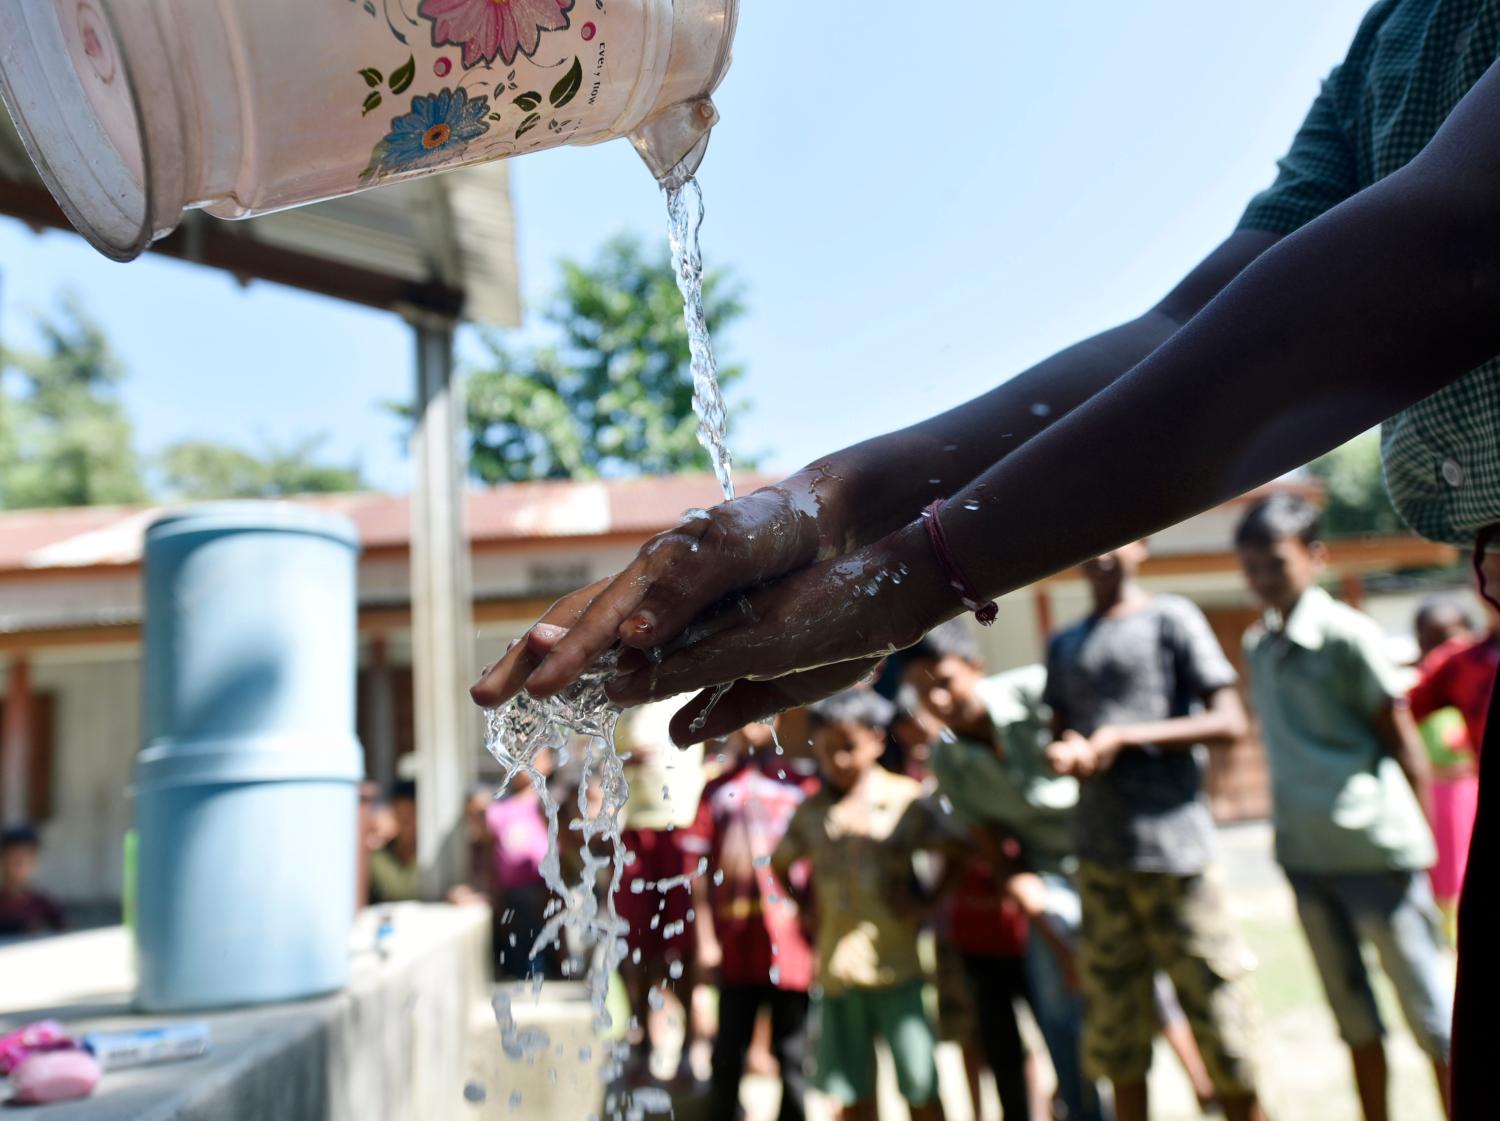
436 131
486 29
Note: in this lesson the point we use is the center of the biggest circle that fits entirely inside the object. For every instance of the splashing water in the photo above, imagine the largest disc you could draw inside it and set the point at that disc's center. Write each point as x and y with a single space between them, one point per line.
517 734
521 730
685 217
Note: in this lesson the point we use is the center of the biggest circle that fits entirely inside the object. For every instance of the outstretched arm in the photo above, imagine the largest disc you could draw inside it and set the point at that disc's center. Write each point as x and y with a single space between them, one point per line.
844 501
1380 302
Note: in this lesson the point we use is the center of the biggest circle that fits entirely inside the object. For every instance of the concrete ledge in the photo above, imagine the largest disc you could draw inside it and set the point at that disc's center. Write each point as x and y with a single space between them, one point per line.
391 1047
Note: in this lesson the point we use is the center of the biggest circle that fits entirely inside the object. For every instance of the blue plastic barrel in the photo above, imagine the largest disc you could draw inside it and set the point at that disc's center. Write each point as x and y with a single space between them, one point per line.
246 789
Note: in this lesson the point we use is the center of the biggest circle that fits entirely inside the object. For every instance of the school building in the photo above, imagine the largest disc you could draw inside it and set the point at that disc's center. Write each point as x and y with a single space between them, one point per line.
70 632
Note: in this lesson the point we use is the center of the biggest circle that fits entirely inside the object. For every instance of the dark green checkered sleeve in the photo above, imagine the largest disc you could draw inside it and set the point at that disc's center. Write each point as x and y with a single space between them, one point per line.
1317 174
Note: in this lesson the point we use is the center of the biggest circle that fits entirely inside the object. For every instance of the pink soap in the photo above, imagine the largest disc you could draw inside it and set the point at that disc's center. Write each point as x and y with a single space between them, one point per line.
54 1076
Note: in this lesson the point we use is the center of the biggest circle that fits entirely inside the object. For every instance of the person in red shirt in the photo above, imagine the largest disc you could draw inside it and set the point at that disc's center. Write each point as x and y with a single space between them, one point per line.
24 910
1457 672
750 938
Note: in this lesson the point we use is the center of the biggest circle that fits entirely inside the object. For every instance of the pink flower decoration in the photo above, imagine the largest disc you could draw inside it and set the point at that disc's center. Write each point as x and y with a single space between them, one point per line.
441 67
486 29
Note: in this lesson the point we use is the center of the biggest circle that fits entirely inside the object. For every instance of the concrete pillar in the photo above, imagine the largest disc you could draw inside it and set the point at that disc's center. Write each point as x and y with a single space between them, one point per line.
15 743
447 738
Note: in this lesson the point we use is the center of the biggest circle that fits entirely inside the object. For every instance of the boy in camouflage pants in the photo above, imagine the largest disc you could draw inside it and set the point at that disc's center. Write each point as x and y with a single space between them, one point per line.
1136 689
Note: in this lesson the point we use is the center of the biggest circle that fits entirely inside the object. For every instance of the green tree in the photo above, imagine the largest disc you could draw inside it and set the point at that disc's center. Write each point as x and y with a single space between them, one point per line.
64 438
1357 499
196 470
614 395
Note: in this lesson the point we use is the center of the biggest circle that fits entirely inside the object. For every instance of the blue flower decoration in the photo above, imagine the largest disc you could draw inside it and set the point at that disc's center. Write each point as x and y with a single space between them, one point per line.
438 128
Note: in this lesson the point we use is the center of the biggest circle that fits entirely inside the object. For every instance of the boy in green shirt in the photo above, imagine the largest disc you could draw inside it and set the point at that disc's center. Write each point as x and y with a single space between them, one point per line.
1348 779
994 772
859 835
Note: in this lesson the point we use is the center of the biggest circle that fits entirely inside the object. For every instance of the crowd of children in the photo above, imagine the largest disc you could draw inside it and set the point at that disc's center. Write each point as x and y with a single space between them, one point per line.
1045 830
1049 827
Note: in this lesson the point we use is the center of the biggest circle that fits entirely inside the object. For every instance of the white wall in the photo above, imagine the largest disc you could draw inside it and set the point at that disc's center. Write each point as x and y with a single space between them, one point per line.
96 733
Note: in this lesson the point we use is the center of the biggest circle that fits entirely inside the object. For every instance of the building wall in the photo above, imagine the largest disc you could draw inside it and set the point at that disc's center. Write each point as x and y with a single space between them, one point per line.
96 734
96 694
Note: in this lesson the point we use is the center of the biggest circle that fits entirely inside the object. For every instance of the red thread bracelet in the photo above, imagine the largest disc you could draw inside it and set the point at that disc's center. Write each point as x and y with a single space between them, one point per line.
985 611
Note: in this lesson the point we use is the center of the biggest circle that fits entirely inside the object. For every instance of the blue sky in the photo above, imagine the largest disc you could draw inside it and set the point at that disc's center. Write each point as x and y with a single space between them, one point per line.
920 200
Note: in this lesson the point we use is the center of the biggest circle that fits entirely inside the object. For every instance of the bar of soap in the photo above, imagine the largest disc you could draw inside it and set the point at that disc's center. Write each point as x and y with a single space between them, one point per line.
54 1076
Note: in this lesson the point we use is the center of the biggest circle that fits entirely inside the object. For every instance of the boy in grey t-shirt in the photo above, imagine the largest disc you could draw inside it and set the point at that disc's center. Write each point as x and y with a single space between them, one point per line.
1136 690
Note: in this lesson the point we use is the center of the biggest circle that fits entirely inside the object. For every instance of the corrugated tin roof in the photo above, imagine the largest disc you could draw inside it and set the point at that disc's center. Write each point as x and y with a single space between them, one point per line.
456 229
36 540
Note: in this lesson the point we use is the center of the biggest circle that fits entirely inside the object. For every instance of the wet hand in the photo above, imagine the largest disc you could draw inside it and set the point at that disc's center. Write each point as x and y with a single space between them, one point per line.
675 577
817 631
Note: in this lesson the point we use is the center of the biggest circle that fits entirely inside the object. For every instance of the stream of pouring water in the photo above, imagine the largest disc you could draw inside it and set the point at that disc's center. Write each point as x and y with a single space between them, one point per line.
518 732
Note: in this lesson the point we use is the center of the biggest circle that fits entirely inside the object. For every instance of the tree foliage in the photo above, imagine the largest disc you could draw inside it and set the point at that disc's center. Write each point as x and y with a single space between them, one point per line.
1357 498
196 470
613 396
64 437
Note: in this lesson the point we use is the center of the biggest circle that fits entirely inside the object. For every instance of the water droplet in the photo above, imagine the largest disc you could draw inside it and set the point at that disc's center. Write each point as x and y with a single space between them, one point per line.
935 482
515 1099
762 861
474 1092
946 804
775 974
656 1000
718 877
674 970
1041 408
971 504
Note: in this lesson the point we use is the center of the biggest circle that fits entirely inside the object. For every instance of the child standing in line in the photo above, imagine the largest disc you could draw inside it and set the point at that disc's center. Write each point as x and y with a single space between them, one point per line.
1348 785
1450 701
517 830
1137 688
24 909
859 835
655 897
750 941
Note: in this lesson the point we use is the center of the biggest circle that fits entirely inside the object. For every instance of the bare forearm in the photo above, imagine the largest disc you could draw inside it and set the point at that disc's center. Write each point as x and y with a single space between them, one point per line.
889 479
1399 732
1362 313
1183 731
